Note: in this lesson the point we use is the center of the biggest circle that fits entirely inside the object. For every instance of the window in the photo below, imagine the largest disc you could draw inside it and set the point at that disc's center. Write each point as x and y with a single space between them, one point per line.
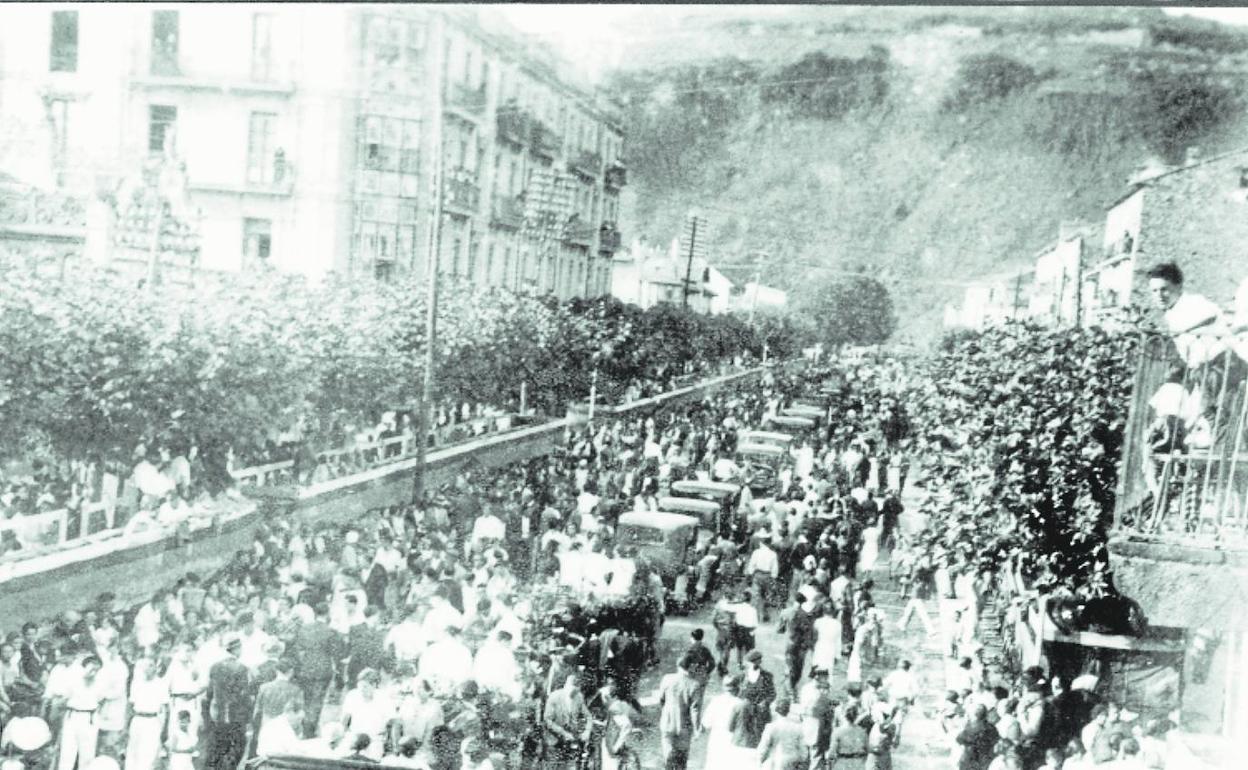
260 148
64 53
164 42
161 123
257 239
261 46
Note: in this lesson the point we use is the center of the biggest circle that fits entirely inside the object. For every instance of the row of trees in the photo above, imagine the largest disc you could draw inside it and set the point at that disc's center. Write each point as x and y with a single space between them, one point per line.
90 367
1026 429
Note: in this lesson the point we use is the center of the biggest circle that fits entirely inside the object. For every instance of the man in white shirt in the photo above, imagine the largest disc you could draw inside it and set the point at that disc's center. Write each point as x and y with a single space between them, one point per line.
900 684
447 663
763 568
486 530
495 667
441 616
79 732
406 640
1193 321
254 642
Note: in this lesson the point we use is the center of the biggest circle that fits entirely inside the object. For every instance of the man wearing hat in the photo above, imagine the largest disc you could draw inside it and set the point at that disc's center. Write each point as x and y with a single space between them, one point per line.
763 568
758 690
801 627
230 706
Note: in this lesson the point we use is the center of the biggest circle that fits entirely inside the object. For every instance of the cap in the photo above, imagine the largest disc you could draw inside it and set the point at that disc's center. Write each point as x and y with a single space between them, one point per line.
754 657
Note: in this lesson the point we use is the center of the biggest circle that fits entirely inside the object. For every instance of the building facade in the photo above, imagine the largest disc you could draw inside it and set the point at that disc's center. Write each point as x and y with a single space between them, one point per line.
326 139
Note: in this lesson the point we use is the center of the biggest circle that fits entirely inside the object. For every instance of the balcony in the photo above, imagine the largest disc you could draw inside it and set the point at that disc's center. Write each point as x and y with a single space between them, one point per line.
512 124
462 194
586 163
578 233
608 239
617 175
1181 513
466 101
543 142
507 211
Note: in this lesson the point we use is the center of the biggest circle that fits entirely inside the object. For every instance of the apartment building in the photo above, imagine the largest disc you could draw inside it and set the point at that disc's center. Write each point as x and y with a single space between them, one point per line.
324 139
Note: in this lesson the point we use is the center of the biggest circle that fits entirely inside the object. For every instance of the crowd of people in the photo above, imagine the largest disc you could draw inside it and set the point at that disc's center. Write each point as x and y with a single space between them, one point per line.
500 623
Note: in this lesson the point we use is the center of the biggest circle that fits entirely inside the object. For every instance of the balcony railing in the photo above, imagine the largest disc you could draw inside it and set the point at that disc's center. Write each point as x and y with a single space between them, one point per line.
586 163
578 233
462 193
543 141
608 238
467 100
512 124
507 211
1185 457
617 175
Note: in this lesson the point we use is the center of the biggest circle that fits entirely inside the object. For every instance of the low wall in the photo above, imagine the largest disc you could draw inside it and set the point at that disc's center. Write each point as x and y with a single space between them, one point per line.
70 579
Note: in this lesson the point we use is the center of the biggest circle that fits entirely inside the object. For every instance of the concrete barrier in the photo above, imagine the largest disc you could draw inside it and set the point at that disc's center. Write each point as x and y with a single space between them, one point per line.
132 569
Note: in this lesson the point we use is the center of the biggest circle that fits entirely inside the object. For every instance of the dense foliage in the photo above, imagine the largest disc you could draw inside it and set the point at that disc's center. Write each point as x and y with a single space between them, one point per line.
853 311
90 370
985 78
1025 426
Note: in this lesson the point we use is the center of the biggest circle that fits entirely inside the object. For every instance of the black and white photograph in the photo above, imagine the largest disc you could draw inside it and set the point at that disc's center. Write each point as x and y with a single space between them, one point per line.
615 386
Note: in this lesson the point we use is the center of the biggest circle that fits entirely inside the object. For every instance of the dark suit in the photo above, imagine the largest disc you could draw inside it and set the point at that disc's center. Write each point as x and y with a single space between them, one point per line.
316 651
229 703
758 695
31 662
366 648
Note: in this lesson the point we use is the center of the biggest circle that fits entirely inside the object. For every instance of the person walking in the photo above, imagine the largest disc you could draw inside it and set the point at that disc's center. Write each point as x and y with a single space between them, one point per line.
763 568
229 704
721 719
680 716
567 723
78 731
316 651
781 746
848 748
978 740
801 628
758 689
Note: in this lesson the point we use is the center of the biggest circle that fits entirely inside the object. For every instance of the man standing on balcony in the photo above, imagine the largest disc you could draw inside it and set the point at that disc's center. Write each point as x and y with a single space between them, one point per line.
1200 335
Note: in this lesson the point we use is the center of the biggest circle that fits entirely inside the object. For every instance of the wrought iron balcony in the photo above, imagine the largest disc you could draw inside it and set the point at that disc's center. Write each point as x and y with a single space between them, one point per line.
587 163
578 233
543 141
608 238
1184 475
617 175
512 124
467 101
507 211
462 194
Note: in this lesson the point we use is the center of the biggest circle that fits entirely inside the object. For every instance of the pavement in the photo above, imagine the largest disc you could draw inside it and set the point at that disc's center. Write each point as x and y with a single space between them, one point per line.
924 745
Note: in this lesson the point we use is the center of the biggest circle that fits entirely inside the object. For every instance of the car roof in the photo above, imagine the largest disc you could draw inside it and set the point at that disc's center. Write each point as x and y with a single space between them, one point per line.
659 520
769 435
680 504
709 486
761 449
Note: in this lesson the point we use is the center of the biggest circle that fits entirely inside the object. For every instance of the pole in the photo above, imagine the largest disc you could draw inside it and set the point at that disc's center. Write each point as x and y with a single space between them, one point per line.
1079 287
153 257
758 279
431 287
693 239
1018 293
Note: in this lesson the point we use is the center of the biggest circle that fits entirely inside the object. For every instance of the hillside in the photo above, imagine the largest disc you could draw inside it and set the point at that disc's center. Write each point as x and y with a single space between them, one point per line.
925 147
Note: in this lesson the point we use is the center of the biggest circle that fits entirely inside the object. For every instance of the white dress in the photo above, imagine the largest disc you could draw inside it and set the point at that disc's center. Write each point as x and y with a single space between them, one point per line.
827 642
870 548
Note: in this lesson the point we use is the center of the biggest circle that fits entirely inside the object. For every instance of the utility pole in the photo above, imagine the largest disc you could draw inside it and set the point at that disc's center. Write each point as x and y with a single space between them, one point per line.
1079 286
1018 295
758 279
431 287
693 239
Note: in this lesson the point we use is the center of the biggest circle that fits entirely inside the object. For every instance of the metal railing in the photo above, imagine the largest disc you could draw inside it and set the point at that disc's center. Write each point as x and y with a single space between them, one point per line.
1184 472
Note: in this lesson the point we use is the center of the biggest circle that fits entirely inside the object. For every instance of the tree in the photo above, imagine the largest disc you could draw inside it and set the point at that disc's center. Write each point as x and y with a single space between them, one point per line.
853 311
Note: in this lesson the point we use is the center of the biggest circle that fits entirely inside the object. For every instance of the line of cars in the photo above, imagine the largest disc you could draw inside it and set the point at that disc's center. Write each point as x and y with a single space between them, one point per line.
695 513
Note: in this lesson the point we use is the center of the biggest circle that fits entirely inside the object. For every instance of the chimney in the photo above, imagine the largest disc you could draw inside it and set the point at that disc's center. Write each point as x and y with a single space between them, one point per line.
1192 156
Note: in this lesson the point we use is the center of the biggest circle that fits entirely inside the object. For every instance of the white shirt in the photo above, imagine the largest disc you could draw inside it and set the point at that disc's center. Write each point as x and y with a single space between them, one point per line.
488 528
1201 346
407 639
440 618
148 696
495 669
446 664
368 716
277 736
764 560
899 684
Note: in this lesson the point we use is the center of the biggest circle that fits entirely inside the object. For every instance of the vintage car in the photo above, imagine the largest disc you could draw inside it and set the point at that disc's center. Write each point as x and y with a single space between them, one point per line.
725 495
771 437
809 412
668 542
762 463
795 425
